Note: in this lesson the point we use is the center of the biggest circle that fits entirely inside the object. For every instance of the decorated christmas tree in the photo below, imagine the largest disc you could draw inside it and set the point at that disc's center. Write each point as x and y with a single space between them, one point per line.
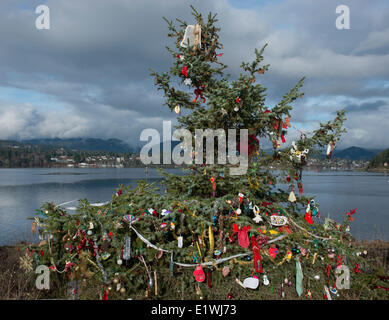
211 234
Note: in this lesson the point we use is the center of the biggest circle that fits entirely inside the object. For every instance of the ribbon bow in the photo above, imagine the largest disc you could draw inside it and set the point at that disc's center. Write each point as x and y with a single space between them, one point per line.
243 237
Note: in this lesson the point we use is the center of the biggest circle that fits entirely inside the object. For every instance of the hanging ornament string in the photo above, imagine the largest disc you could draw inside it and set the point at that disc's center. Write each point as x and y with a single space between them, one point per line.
147 241
313 235
276 263
186 208
147 269
218 261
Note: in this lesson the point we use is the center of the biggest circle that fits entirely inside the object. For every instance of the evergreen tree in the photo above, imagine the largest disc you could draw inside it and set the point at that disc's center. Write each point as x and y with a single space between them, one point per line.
210 230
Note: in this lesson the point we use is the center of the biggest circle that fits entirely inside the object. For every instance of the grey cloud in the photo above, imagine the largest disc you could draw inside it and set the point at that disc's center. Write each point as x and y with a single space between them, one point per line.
96 58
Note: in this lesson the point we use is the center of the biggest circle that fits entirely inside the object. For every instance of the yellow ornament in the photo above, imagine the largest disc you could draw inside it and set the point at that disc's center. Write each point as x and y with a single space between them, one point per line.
211 239
177 109
273 232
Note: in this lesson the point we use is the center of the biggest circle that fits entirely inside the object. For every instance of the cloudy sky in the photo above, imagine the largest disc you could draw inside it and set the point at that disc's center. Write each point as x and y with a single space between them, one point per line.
88 76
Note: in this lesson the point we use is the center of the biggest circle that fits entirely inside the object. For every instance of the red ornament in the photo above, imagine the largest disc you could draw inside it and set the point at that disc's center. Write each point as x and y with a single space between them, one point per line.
184 71
300 186
351 213
199 274
243 237
256 255
273 251
308 217
209 279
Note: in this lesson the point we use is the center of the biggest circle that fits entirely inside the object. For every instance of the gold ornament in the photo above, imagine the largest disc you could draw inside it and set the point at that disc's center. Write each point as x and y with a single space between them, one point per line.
211 239
26 263
122 290
116 281
33 227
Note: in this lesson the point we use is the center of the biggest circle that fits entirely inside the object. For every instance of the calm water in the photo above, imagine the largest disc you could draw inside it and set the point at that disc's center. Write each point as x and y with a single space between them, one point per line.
24 190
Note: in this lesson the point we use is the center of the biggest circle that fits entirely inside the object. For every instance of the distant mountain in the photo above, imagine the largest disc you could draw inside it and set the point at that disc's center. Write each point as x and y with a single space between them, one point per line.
356 153
84 144
380 160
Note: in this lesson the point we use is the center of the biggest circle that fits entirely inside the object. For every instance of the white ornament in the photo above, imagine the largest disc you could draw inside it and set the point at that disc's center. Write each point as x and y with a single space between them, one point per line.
238 211
257 218
278 220
165 212
251 283
265 280
187 82
119 262
297 154
292 197
180 241
190 36
317 277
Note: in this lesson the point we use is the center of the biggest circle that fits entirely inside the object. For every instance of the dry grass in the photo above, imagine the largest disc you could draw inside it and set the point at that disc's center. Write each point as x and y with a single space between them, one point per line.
14 283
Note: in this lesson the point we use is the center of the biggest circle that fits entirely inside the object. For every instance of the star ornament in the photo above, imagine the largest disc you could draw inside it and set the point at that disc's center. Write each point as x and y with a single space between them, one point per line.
26 263
188 82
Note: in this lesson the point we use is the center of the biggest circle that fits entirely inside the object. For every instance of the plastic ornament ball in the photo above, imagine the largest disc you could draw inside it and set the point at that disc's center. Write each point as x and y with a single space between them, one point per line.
122 290
229 295
109 288
248 258
119 262
317 277
90 232
286 280
116 281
